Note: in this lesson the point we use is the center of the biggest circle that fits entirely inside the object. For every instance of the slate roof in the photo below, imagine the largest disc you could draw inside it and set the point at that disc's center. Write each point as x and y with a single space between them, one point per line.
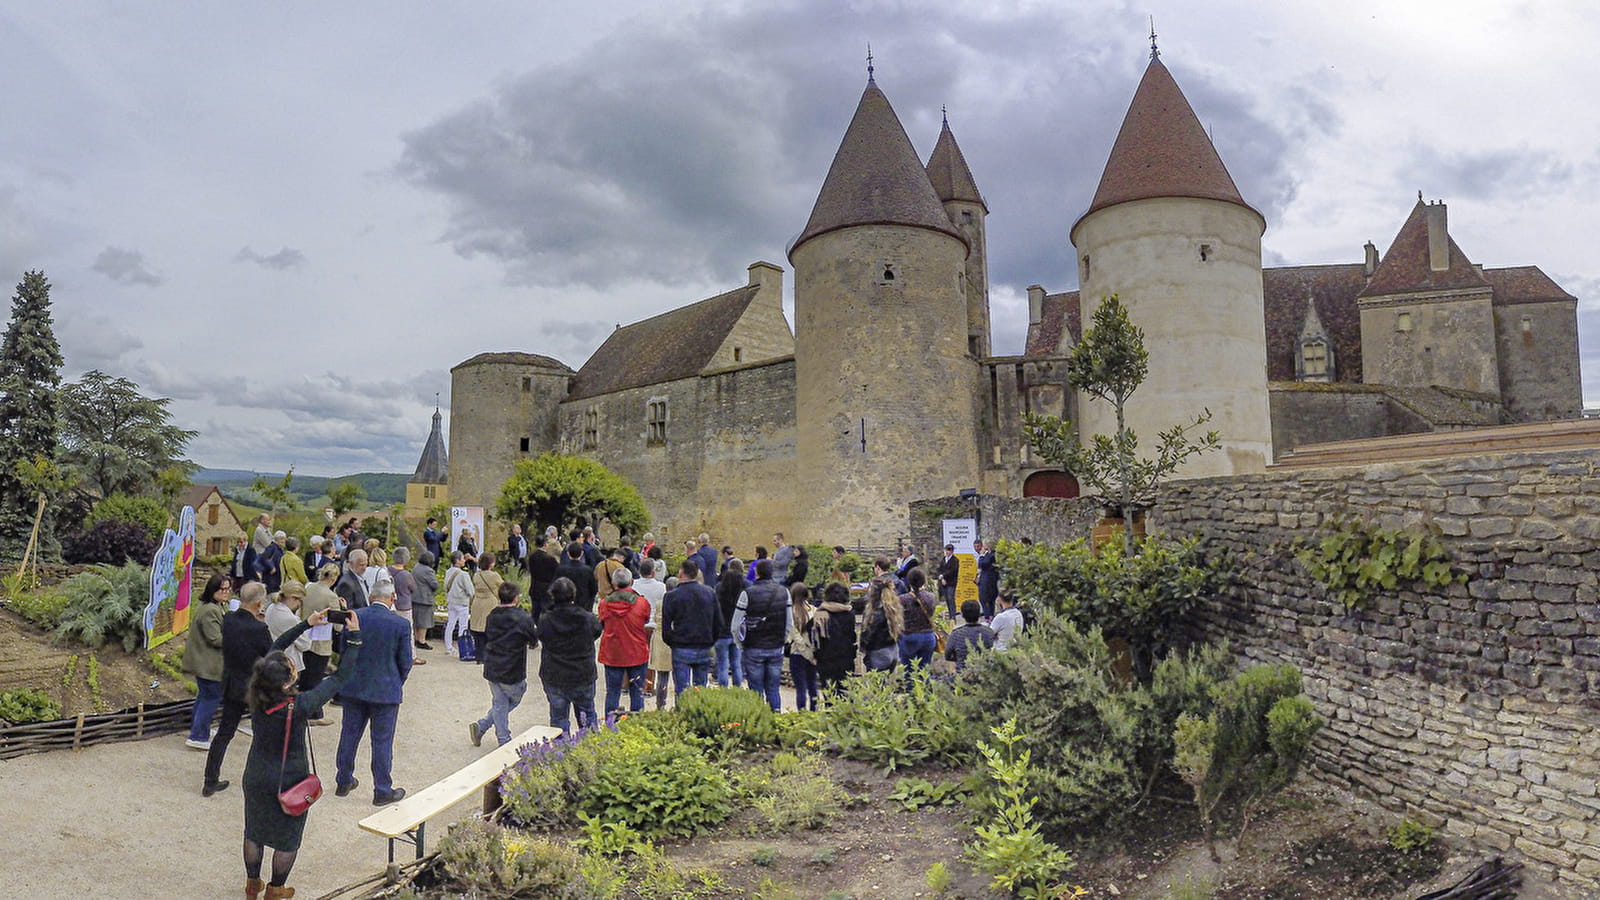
676 344
434 466
876 178
1335 287
947 170
1162 151
1406 267
1524 284
521 359
1057 312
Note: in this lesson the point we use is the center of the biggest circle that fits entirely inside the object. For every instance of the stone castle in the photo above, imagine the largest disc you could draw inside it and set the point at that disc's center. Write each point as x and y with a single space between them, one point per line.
887 389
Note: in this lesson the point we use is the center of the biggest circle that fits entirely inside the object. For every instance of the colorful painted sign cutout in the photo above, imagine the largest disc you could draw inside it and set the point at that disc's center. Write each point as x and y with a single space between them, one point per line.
171 583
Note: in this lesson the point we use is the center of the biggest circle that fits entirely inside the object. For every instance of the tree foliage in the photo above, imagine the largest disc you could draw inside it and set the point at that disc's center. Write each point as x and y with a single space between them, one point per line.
30 379
1109 364
118 440
277 493
146 512
555 490
344 496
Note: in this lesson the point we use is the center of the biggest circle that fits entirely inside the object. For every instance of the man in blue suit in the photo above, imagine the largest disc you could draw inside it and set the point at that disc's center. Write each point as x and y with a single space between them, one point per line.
988 579
372 694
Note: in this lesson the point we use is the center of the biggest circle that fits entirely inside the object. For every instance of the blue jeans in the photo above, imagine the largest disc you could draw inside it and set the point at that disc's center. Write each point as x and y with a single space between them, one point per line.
728 659
634 676
690 663
503 698
805 682
577 699
918 648
358 714
206 704
763 669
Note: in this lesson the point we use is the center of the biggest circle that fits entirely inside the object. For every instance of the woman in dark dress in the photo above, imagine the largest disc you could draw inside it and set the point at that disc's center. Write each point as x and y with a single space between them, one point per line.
268 772
799 567
833 634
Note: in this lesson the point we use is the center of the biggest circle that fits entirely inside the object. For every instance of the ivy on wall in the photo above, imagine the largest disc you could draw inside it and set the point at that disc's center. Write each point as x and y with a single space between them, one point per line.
1355 560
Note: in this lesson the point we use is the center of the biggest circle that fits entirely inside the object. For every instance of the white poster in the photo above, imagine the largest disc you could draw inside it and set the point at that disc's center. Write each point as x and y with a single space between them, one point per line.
961 533
469 520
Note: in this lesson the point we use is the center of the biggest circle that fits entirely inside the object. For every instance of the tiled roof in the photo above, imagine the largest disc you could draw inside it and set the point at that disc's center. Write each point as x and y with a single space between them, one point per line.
947 169
1057 312
676 344
514 358
1335 287
1441 409
194 495
1162 151
1406 267
434 466
1524 284
876 178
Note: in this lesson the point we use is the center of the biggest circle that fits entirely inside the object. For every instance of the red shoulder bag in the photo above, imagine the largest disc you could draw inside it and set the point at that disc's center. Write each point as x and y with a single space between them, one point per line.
298 797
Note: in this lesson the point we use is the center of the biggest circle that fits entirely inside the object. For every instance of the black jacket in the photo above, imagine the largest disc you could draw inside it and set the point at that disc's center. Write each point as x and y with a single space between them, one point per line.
245 639
835 639
568 632
509 633
766 615
798 571
582 578
542 568
949 571
691 618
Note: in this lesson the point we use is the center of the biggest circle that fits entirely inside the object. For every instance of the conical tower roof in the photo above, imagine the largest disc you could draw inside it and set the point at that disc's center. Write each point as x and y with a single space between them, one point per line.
948 171
433 467
1163 151
876 178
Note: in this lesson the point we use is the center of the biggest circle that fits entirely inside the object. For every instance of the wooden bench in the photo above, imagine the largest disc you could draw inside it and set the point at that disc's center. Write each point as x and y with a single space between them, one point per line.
408 820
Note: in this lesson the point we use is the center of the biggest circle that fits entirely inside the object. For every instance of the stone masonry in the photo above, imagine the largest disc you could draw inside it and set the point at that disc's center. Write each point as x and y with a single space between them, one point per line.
1472 708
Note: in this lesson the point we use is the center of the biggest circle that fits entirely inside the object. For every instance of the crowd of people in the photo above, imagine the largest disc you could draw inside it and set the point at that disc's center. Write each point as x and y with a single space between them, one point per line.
270 649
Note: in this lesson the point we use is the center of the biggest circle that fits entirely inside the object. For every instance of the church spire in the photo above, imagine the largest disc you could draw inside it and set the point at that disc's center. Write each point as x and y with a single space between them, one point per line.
434 466
876 178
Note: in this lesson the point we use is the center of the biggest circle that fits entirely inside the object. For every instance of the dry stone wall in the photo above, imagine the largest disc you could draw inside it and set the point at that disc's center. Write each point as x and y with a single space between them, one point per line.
1475 707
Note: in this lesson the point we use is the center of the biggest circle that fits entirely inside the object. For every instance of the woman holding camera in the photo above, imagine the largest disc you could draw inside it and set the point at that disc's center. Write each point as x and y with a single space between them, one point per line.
279 714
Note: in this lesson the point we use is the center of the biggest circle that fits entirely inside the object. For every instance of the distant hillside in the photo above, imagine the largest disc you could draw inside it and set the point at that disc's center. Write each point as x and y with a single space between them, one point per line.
383 488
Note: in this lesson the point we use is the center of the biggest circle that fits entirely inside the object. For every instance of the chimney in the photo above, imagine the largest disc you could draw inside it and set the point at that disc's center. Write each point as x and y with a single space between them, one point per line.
1371 265
1438 237
1035 304
769 278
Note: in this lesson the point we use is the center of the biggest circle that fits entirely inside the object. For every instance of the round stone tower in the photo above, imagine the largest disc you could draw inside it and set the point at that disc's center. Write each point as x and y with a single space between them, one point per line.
1169 234
503 407
887 390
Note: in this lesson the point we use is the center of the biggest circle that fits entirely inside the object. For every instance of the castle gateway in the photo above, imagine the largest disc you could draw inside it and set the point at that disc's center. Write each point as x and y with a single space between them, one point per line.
730 423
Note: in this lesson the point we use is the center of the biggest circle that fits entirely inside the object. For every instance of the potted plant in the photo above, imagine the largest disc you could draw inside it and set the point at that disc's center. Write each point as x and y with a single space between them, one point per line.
1108 365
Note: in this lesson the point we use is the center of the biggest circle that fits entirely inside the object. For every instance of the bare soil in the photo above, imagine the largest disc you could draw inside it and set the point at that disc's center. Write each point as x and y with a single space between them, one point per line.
30 659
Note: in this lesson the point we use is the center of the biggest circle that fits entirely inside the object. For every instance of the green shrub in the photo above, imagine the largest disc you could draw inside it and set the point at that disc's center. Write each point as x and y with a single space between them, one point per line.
146 512
1250 744
489 861
938 878
104 605
1409 835
879 723
1145 599
914 793
728 716
659 789
1182 683
765 856
1076 717
799 794
1010 848
21 705
820 570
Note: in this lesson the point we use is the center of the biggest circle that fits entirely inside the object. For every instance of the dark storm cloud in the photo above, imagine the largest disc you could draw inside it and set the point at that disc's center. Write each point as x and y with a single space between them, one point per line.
287 258
680 152
1493 174
125 267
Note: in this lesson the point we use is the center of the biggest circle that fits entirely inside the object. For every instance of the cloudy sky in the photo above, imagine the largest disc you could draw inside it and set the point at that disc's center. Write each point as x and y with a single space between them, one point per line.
294 219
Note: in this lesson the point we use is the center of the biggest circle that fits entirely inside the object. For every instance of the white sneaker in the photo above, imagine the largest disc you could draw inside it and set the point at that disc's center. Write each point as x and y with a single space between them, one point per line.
193 744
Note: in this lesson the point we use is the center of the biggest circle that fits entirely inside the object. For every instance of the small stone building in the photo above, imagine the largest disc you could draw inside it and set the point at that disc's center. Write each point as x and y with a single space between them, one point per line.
888 389
216 527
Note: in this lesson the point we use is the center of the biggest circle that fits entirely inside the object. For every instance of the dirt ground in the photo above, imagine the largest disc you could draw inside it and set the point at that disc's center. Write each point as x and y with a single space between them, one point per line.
29 659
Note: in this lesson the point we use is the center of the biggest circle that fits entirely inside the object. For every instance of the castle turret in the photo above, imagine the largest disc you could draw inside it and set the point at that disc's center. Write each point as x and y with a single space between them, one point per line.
429 484
958 192
1169 233
887 391
503 407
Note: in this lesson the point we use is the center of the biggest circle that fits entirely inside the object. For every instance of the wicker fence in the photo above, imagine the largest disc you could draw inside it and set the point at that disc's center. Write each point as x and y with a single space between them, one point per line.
132 724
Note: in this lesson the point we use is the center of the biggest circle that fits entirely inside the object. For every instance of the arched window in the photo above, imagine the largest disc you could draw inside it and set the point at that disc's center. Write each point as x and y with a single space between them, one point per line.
1050 484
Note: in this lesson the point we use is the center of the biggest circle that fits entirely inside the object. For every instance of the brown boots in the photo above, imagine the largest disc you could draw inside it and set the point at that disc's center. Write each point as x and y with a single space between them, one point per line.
253 888
279 893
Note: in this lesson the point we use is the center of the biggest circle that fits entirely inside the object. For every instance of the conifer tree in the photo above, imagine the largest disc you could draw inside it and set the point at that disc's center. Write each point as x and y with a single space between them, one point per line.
30 379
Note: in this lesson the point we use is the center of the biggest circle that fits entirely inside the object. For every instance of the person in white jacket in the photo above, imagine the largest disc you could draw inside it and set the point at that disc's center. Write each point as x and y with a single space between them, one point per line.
458 593
284 614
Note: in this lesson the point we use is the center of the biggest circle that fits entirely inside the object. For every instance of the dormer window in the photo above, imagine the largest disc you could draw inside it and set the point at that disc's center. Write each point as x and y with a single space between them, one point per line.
1315 355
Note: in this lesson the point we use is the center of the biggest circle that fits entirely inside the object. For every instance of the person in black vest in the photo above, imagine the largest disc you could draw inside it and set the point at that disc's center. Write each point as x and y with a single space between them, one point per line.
542 568
760 625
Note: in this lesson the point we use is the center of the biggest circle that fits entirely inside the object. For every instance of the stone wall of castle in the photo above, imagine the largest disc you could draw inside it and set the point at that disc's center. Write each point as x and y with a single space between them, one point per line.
1537 346
1311 413
1470 707
496 406
1444 339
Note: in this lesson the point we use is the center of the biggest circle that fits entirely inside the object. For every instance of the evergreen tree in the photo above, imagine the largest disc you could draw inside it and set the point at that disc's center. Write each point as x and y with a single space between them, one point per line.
30 379
117 440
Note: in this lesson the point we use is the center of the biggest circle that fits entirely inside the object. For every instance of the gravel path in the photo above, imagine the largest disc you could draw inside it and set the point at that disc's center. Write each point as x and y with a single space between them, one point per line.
115 817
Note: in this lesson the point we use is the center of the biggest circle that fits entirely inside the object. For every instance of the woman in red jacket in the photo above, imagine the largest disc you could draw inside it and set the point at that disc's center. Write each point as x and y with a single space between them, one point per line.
624 642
